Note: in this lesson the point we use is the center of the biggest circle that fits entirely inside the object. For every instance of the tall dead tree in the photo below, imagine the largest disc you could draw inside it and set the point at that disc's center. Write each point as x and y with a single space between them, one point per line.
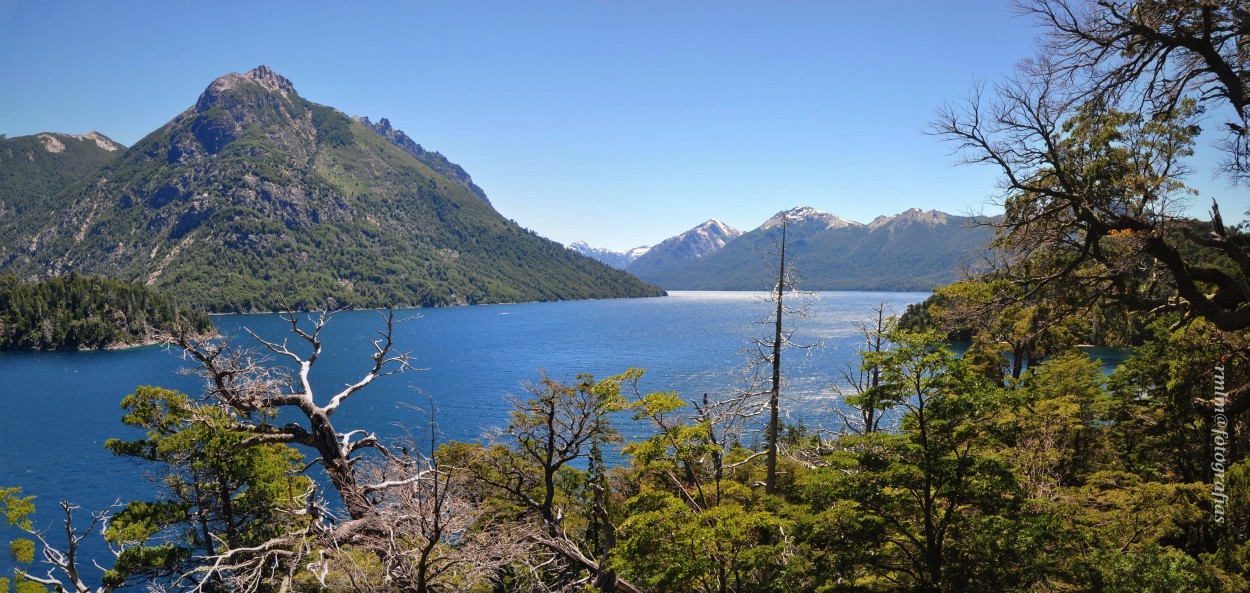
766 354
238 381
861 389
774 396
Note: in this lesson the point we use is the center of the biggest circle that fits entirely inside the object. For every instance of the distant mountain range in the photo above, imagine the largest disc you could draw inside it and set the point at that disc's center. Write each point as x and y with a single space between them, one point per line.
256 198
914 250
696 242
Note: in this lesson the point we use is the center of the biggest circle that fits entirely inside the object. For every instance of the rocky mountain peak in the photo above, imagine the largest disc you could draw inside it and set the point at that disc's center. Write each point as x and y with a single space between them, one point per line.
431 159
911 216
270 80
100 140
712 233
397 137
717 227
233 85
809 215
53 142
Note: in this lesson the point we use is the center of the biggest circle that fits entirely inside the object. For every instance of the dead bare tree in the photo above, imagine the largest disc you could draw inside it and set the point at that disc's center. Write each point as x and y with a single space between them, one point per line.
399 507
406 524
1149 55
861 383
64 566
556 425
765 352
237 380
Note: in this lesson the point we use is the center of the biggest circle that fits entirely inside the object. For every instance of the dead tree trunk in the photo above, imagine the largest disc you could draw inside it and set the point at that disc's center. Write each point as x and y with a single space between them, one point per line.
774 397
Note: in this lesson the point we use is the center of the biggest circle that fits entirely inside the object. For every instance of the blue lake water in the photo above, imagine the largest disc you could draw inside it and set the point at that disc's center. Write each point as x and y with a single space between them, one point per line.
57 409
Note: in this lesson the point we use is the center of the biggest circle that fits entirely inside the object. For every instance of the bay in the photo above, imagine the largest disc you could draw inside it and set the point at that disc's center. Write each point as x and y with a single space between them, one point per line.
57 409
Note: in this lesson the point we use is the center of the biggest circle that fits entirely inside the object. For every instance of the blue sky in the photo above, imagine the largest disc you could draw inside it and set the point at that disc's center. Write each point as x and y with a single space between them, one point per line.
619 123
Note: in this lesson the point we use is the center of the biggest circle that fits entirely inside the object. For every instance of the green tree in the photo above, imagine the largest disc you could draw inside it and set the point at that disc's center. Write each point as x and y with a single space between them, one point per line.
936 509
863 391
530 464
219 495
694 520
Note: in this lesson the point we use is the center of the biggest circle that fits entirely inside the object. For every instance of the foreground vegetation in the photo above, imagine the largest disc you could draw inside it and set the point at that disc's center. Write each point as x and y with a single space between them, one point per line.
75 312
1064 480
1018 466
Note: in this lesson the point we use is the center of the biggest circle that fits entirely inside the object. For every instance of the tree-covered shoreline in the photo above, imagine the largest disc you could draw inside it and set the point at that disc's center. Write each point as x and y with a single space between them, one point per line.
1019 466
74 312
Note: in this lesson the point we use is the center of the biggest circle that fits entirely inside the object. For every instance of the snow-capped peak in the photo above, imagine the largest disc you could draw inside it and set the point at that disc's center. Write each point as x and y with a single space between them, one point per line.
703 239
616 259
807 214
637 252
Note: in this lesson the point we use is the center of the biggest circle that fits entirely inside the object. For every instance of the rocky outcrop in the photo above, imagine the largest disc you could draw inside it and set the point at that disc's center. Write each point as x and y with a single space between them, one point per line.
431 159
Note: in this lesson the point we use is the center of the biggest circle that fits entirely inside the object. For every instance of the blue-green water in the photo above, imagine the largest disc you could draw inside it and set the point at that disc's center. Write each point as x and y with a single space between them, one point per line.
57 409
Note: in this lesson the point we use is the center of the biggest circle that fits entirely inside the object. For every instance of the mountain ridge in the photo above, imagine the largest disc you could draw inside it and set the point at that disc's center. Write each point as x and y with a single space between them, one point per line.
36 169
695 242
255 198
433 159
912 250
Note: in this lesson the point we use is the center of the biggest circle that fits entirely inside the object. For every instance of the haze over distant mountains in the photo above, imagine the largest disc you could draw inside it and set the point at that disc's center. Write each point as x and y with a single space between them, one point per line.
255 198
913 250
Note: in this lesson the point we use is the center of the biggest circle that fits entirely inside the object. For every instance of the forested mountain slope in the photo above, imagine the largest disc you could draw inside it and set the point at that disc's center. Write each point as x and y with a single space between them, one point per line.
36 170
256 198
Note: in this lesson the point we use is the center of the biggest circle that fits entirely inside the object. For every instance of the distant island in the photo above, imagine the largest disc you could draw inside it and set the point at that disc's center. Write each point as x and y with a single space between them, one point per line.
75 312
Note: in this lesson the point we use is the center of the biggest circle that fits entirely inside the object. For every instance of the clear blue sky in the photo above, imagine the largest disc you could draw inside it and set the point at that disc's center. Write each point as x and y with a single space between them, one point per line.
620 123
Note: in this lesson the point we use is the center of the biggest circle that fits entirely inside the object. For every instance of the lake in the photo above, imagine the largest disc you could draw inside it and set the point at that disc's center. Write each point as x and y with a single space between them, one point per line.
57 409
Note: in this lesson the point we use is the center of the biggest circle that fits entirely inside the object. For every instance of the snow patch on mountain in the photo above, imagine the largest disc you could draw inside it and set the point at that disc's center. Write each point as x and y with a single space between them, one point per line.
912 216
806 215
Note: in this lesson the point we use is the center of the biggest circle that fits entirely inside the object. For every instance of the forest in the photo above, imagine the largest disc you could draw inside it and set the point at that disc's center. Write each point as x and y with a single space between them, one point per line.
73 312
1019 465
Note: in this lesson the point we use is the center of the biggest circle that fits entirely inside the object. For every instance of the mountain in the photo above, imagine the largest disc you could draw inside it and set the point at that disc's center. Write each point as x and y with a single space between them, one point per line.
914 250
700 241
805 221
696 242
34 170
433 160
616 259
255 198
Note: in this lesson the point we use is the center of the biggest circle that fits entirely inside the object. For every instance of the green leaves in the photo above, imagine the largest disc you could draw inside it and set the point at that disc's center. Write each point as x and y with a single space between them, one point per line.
23 550
219 494
17 509
78 312
671 547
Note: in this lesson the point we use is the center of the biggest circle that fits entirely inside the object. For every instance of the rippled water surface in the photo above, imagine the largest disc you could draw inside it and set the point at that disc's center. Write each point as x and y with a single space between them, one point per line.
57 409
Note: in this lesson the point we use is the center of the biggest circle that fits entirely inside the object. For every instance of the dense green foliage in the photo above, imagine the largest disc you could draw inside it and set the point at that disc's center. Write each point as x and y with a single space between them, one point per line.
34 172
218 495
1020 466
257 199
75 312
432 159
